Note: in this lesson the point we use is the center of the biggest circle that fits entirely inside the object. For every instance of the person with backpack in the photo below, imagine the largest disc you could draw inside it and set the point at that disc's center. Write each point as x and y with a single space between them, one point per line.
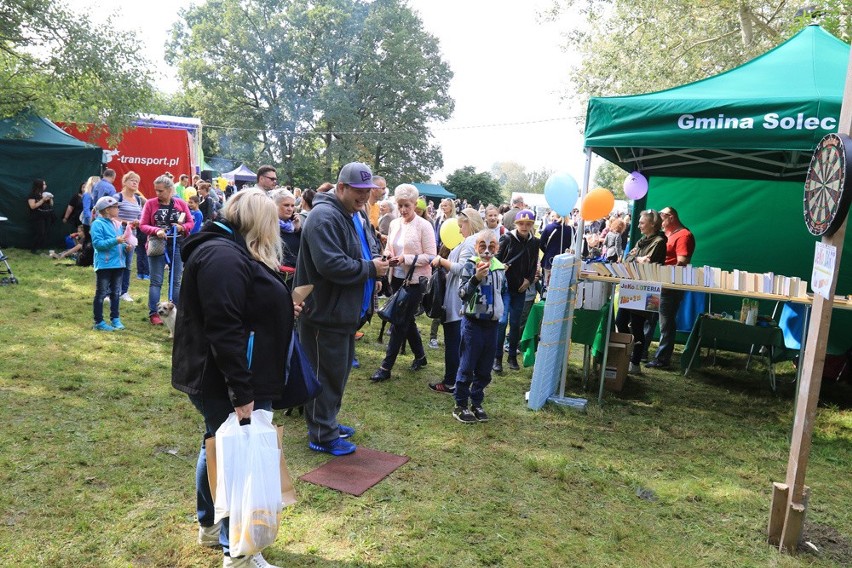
556 237
470 223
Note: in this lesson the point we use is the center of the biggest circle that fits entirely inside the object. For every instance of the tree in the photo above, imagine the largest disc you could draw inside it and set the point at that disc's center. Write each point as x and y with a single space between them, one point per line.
611 177
61 65
538 178
636 46
511 176
480 187
324 82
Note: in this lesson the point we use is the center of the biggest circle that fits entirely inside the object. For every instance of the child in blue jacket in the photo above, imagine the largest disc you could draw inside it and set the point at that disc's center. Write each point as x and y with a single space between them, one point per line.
109 260
482 281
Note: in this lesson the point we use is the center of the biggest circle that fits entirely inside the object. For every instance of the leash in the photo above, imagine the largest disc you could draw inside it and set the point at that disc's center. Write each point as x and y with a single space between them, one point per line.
172 234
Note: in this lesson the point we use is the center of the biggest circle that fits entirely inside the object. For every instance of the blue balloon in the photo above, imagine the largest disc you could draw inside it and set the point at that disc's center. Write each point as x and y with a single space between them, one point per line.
561 192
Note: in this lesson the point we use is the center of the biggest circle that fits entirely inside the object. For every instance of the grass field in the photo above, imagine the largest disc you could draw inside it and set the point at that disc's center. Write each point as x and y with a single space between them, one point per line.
98 457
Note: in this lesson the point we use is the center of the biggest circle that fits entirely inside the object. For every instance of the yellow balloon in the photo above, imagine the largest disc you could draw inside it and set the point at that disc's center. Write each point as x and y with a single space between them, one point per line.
451 234
222 183
597 204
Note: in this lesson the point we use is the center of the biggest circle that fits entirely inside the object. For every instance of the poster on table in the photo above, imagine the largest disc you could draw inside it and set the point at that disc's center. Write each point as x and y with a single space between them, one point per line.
642 296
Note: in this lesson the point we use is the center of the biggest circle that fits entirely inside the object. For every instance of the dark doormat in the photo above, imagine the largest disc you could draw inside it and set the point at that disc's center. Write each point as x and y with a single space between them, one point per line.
357 472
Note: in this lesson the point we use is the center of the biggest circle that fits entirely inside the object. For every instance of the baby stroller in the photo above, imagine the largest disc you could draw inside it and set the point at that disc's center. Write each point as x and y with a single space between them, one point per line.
6 269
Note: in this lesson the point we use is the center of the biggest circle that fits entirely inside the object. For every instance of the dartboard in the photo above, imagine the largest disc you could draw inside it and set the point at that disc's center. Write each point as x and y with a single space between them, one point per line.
826 203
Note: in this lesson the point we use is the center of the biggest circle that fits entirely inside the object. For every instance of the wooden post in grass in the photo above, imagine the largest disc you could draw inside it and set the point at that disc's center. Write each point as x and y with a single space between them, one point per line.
790 518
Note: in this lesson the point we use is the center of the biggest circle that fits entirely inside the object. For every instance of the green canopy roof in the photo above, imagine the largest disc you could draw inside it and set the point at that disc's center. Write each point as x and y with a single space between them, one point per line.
761 120
433 190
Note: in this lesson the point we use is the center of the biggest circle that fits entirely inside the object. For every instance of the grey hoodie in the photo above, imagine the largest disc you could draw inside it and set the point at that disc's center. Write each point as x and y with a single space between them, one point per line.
330 258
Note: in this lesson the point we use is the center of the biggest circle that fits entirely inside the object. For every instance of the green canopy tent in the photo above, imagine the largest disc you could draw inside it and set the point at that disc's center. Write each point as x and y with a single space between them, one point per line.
730 153
433 190
33 147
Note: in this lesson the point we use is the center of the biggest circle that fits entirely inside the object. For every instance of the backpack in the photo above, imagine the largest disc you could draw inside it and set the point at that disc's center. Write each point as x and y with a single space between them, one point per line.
433 299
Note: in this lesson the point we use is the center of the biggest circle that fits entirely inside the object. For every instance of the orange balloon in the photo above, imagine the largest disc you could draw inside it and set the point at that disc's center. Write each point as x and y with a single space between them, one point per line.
597 204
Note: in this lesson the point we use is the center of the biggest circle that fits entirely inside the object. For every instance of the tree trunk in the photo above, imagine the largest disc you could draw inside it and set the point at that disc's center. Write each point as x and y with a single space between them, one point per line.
746 23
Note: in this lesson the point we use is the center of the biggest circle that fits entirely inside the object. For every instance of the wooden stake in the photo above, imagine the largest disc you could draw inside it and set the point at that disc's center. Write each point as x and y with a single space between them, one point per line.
780 496
793 528
812 367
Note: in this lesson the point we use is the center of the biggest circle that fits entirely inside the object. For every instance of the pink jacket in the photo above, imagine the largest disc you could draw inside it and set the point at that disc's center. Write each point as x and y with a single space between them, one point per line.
146 222
418 238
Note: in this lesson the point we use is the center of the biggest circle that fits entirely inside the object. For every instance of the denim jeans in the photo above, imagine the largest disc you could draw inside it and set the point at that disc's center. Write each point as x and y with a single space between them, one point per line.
107 283
125 275
478 347
669 303
158 267
141 256
452 348
215 411
513 309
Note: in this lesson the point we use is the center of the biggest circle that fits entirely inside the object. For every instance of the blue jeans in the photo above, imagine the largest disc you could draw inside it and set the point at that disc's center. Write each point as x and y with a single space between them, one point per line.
158 267
107 283
669 303
478 346
513 309
215 411
125 276
141 256
452 348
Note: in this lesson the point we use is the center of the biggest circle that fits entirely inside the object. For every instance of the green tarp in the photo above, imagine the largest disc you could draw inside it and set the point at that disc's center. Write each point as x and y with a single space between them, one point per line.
433 190
32 147
751 225
761 120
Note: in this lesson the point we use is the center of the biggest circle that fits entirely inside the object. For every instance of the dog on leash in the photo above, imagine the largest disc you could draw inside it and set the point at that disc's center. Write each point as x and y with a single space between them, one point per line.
168 313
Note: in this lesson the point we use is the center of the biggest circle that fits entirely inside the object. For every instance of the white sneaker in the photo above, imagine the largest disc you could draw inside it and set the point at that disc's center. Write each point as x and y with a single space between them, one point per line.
256 561
126 297
433 343
106 300
634 369
209 536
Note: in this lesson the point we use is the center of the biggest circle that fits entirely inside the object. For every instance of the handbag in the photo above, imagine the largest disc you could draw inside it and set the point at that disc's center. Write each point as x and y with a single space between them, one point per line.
433 299
301 384
404 304
156 246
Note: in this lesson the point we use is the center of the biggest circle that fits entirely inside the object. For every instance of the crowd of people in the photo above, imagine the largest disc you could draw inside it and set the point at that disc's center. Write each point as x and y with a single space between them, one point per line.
352 242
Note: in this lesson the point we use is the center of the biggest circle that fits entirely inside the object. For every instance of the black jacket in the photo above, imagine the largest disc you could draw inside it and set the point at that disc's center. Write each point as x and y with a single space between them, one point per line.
234 322
521 258
331 259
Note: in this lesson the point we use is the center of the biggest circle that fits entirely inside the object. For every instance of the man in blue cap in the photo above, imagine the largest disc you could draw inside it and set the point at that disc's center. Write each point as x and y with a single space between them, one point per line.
339 258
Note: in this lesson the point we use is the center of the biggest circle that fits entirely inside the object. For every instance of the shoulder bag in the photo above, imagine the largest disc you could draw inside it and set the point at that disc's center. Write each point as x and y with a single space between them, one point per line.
404 304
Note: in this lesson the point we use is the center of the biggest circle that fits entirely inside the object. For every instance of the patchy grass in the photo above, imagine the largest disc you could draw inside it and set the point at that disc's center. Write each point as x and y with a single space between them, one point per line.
99 455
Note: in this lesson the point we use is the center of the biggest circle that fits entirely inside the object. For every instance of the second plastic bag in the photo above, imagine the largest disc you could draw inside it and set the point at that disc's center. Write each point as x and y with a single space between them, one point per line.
248 482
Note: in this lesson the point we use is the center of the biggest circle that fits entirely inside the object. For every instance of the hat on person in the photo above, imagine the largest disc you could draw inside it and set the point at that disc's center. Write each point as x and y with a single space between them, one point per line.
357 174
525 215
105 202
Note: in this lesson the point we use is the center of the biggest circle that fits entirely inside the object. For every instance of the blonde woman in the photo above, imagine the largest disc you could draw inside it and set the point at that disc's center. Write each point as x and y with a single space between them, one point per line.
230 347
88 205
411 241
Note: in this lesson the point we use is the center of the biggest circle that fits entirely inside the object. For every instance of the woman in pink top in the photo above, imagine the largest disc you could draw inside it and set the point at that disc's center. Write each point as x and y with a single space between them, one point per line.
411 240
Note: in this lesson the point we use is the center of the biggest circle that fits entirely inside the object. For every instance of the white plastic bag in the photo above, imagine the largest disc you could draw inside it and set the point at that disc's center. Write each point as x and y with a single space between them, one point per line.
248 482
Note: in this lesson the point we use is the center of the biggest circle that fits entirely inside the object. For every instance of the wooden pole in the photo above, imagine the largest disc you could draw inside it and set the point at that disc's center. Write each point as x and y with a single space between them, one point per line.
811 379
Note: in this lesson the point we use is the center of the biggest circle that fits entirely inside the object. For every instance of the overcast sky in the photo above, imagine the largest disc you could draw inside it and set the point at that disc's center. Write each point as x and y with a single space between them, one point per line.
510 77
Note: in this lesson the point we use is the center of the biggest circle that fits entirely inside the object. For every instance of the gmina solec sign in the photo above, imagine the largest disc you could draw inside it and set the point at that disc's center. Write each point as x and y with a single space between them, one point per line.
769 121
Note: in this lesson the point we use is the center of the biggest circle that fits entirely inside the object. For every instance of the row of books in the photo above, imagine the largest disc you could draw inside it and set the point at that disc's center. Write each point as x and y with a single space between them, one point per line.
707 276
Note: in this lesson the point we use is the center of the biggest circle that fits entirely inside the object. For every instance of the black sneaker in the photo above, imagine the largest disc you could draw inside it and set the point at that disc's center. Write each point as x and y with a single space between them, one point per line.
418 363
498 367
657 364
513 364
463 415
479 413
442 387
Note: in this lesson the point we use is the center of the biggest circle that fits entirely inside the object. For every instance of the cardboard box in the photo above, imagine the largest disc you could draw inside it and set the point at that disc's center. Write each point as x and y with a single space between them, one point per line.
617 360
